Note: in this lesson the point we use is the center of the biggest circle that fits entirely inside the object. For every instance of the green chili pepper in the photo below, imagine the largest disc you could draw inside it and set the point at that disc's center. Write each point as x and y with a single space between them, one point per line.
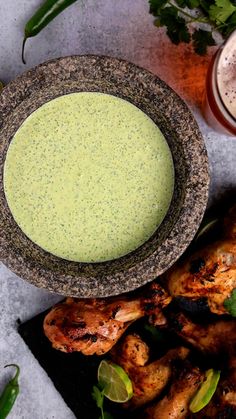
9 394
44 15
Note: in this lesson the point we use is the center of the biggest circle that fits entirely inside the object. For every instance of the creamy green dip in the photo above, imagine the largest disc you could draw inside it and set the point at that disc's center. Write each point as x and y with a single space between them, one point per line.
88 177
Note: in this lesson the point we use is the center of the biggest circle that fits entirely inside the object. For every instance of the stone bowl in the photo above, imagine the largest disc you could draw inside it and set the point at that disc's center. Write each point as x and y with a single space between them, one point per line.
120 78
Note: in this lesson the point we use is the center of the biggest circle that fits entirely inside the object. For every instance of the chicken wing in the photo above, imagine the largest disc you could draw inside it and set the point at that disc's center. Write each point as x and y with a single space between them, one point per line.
93 326
210 273
148 379
223 403
213 338
175 404
227 388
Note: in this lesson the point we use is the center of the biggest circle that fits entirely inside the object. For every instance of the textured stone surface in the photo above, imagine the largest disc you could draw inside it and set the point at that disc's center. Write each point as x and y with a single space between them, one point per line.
121 28
155 98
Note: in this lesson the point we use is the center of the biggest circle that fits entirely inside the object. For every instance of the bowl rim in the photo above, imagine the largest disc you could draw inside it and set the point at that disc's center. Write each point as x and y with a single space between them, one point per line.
120 281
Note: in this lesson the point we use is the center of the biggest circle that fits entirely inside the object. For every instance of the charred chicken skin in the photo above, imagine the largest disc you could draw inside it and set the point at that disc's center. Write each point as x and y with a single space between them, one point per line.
215 338
149 379
223 403
93 326
210 273
175 405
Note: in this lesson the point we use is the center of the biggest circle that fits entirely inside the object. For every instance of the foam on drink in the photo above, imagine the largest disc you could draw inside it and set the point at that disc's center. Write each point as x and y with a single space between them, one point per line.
226 75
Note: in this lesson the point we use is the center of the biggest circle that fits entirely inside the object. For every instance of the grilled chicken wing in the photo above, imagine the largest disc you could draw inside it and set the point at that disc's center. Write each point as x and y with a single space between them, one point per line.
148 379
93 326
228 386
175 404
223 403
213 338
210 272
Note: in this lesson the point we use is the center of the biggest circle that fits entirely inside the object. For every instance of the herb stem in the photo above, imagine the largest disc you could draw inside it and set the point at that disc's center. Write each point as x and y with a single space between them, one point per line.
192 19
101 407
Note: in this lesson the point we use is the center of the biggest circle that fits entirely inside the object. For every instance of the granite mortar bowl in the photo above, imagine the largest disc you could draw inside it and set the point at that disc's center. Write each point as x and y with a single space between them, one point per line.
120 78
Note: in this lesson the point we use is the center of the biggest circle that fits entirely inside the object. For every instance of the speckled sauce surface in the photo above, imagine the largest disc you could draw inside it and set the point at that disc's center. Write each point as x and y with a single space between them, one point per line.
88 177
146 91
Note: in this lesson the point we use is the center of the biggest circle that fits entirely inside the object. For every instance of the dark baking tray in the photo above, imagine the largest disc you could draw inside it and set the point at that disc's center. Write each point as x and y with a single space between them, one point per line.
75 374
72 374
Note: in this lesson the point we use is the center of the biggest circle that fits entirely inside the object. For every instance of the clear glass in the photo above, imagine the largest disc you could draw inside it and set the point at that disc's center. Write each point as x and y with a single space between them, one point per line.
219 105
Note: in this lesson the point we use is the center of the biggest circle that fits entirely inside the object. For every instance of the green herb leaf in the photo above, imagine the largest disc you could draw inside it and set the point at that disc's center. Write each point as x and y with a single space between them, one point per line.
175 15
157 335
231 25
230 303
157 22
156 5
193 3
221 11
107 415
176 26
205 5
98 396
201 40
181 3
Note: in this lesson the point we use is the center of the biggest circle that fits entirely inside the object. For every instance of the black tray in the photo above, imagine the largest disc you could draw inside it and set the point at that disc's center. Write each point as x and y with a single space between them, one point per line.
75 374
72 374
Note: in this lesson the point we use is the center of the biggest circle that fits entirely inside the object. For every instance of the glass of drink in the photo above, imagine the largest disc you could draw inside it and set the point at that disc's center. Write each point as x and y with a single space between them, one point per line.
219 107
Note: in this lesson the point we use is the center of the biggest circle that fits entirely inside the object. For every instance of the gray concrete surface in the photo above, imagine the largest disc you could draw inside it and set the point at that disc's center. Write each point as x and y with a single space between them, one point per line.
121 28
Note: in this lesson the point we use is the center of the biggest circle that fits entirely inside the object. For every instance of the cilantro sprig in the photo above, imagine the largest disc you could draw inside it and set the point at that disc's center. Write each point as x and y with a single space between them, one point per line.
195 21
98 396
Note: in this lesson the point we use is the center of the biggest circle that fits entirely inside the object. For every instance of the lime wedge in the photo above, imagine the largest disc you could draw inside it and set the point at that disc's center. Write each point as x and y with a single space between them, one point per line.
115 382
206 391
207 225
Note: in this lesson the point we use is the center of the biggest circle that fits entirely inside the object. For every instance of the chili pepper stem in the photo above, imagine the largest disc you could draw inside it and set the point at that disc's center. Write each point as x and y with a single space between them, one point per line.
17 371
23 50
10 393
43 16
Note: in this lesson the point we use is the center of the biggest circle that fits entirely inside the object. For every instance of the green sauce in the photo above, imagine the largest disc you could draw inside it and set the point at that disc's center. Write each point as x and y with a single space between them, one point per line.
88 177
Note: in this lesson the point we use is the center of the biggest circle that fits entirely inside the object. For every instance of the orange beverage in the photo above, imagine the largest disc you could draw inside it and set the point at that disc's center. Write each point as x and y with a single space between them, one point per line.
219 106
